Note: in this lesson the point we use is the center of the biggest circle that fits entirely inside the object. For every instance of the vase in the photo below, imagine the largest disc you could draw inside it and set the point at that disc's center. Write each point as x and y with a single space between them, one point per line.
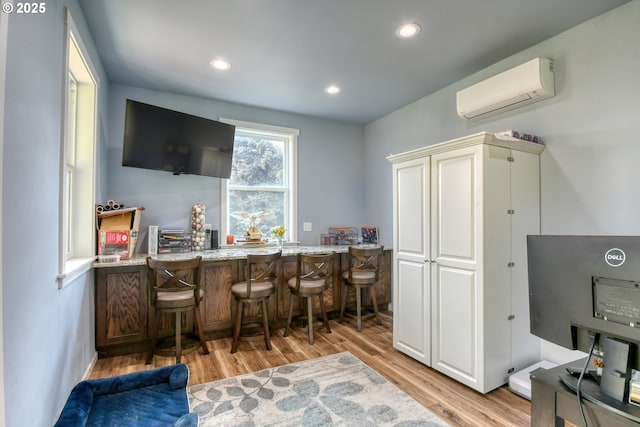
280 242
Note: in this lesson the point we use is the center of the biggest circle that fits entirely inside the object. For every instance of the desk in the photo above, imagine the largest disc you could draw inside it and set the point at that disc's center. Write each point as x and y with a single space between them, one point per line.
552 402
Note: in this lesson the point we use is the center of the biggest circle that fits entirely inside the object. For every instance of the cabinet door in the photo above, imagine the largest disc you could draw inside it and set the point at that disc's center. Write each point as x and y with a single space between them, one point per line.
525 201
121 307
495 310
411 272
218 276
383 288
456 277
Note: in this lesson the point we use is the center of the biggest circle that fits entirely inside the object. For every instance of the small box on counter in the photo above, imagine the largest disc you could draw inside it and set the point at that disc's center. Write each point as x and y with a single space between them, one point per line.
114 243
343 235
118 232
327 239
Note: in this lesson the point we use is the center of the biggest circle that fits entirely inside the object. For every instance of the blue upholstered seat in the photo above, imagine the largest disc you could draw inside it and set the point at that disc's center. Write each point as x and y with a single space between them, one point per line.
156 397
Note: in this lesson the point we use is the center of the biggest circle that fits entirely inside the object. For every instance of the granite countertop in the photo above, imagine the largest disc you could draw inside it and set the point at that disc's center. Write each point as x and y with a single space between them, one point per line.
229 253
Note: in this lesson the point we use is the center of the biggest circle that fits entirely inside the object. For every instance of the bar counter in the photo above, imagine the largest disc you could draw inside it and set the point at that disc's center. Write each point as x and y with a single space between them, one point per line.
230 252
121 294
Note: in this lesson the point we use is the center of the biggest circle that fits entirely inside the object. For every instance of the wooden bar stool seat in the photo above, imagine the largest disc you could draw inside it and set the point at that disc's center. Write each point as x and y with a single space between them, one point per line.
174 287
313 276
363 272
261 277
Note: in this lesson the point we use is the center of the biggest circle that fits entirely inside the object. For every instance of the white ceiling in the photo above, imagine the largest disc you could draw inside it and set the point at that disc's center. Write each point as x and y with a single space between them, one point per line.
284 52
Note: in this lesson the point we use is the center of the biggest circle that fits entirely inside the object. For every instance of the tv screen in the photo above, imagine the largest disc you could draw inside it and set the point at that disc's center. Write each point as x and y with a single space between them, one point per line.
161 139
580 285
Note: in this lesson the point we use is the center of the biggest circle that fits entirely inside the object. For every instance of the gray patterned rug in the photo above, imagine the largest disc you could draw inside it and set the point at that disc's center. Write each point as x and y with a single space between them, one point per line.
336 390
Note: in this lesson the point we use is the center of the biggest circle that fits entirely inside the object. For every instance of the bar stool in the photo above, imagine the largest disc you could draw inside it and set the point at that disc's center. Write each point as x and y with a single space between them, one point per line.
314 273
174 287
363 271
261 278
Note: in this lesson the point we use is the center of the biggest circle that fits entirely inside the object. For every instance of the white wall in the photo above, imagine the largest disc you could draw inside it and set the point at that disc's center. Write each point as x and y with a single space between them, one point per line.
330 167
48 333
590 128
4 19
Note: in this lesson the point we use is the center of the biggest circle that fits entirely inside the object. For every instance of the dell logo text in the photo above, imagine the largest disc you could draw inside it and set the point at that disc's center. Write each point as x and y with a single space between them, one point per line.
615 257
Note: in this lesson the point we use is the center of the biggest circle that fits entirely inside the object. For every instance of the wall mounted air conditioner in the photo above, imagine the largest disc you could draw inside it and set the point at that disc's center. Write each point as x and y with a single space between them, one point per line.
521 85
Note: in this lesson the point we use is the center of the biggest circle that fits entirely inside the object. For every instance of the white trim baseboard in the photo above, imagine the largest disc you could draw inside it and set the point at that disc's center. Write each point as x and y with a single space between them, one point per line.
92 364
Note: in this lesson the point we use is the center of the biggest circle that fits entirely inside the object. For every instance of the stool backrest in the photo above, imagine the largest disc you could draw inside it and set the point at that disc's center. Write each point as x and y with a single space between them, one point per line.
174 276
314 267
262 268
364 260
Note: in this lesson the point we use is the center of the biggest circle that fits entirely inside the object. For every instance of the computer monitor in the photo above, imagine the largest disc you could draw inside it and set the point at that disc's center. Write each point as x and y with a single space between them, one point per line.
583 285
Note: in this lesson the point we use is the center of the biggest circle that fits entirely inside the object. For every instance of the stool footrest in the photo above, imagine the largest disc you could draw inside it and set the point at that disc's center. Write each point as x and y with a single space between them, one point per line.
366 313
166 346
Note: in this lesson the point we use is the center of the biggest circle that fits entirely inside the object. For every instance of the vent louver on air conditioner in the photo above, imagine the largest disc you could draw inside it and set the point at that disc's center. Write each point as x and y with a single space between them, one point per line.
521 85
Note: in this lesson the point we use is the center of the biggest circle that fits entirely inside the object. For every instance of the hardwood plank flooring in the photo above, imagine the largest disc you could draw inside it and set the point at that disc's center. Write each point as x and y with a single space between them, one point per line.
450 400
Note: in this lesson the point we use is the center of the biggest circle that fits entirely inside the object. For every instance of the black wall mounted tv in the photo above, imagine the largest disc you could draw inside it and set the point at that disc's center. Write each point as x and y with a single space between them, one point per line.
161 139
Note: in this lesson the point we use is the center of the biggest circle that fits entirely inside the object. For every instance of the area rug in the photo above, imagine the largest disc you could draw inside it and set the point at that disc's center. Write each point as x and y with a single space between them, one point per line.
336 390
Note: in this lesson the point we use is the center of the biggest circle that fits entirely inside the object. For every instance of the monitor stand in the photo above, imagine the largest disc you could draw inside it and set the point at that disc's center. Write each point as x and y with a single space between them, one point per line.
616 373
591 391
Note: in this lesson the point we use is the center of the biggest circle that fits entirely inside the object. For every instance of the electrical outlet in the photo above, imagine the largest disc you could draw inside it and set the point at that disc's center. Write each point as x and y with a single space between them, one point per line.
306 226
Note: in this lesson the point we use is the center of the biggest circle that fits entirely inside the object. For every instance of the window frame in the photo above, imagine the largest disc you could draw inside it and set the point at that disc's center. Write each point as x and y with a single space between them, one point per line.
290 138
71 112
76 236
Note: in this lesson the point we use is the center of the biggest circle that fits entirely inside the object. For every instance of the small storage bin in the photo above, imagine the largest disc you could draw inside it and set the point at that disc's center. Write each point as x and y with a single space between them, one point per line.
520 383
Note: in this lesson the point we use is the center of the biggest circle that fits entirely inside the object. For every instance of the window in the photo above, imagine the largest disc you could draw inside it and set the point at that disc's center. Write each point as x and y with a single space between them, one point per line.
77 181
69 163
262 186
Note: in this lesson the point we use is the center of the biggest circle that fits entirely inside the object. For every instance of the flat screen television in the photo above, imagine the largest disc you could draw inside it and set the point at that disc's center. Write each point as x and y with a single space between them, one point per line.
582 285
161 139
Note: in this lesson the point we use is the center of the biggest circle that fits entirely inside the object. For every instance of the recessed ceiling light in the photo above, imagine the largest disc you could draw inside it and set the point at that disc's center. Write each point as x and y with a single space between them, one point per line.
220 64
332 89
407 30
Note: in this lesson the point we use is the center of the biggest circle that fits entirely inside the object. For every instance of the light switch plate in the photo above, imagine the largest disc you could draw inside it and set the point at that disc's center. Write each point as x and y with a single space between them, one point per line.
306 226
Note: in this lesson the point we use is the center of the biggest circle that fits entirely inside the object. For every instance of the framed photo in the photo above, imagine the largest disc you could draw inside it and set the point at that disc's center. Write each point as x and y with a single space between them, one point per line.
369 234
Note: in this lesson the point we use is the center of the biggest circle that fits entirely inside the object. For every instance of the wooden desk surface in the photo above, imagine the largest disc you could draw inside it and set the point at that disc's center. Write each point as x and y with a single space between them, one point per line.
552 402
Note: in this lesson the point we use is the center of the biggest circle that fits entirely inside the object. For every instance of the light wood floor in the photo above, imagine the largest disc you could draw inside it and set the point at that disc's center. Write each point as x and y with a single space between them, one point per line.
451 401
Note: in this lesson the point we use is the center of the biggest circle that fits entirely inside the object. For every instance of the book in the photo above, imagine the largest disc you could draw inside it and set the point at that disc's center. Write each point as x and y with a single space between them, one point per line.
153 240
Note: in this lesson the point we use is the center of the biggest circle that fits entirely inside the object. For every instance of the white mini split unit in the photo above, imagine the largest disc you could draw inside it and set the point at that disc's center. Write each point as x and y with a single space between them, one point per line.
521 85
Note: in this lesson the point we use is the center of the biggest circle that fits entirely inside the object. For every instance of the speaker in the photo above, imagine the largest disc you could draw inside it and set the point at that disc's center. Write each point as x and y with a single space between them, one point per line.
214 239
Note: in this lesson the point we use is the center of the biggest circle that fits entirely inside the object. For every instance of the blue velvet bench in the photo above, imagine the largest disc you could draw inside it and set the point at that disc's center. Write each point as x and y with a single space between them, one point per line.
156 397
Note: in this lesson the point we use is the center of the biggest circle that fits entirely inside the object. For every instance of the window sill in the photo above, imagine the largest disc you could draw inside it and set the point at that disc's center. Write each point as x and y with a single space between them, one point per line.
73 269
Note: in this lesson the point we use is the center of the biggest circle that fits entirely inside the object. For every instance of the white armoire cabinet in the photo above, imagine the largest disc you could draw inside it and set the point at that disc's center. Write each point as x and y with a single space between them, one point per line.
462 210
